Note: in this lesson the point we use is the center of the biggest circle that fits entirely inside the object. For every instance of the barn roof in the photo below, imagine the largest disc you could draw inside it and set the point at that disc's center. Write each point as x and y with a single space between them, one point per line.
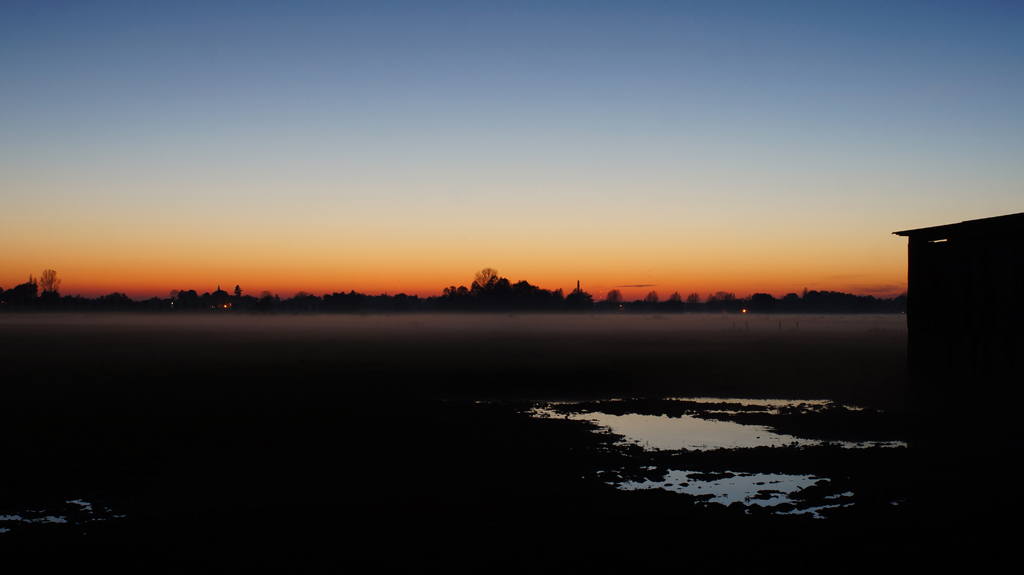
1010 224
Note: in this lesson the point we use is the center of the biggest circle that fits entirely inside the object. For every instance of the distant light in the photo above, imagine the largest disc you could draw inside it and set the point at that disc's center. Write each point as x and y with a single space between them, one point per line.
744 311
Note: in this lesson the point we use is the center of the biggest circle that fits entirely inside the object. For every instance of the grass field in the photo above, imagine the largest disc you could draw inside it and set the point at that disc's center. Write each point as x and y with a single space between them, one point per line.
480 355
362 441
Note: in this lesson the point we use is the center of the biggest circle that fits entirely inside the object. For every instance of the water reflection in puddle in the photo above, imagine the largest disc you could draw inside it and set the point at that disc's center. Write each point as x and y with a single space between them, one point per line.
760 489
76 512
703 424
691 432
686 432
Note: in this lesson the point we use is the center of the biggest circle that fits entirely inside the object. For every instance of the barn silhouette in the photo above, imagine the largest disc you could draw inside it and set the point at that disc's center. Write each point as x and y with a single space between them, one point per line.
965 306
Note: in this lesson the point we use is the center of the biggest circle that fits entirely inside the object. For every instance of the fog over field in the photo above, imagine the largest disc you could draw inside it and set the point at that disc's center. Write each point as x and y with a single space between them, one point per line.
371 325
480 355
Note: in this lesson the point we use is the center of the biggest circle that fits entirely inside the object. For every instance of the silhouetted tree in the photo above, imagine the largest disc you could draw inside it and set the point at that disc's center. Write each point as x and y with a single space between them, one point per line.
220 299
899 304
579 300
502 288
761 303
721 296
722 301
790 303
456 292
50 284
115 300
266 300
346 302
187 299
523 291
489 292
22 295
674 303
49 281
303 301
484 280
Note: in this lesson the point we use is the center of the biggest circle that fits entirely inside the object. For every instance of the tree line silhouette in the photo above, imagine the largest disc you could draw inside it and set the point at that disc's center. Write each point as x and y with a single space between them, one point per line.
489 292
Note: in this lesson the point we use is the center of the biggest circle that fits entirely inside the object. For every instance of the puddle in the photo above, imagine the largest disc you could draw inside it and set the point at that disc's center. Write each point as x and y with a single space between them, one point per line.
769 403
760 489
689 425
696 423
662 432
74 512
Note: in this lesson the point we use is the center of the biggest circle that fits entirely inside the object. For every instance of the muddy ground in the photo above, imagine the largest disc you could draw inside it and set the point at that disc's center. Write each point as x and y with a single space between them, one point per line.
375 441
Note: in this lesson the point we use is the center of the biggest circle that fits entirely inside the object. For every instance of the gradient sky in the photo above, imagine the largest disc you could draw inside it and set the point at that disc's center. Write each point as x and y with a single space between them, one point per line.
400 147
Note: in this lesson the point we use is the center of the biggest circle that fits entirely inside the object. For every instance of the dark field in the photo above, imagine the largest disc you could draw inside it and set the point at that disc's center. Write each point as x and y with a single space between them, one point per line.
362 441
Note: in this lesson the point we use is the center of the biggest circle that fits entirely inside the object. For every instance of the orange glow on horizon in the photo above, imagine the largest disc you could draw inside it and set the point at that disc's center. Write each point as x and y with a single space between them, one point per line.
144 263
250 285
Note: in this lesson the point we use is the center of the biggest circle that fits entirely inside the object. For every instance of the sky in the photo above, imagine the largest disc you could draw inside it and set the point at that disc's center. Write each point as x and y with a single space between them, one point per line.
401 146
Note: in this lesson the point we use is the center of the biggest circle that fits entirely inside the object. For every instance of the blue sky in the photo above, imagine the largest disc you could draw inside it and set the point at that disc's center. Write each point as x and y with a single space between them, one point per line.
710 137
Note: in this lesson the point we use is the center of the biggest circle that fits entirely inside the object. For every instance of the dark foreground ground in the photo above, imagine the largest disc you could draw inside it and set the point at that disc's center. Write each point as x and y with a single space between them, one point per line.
361 442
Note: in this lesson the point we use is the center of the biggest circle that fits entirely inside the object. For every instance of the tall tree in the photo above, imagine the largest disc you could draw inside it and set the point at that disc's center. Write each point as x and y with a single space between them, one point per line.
614 296
49 281
484 279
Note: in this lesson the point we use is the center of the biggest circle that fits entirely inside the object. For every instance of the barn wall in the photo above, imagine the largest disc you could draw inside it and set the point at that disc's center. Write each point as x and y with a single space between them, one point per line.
965 313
